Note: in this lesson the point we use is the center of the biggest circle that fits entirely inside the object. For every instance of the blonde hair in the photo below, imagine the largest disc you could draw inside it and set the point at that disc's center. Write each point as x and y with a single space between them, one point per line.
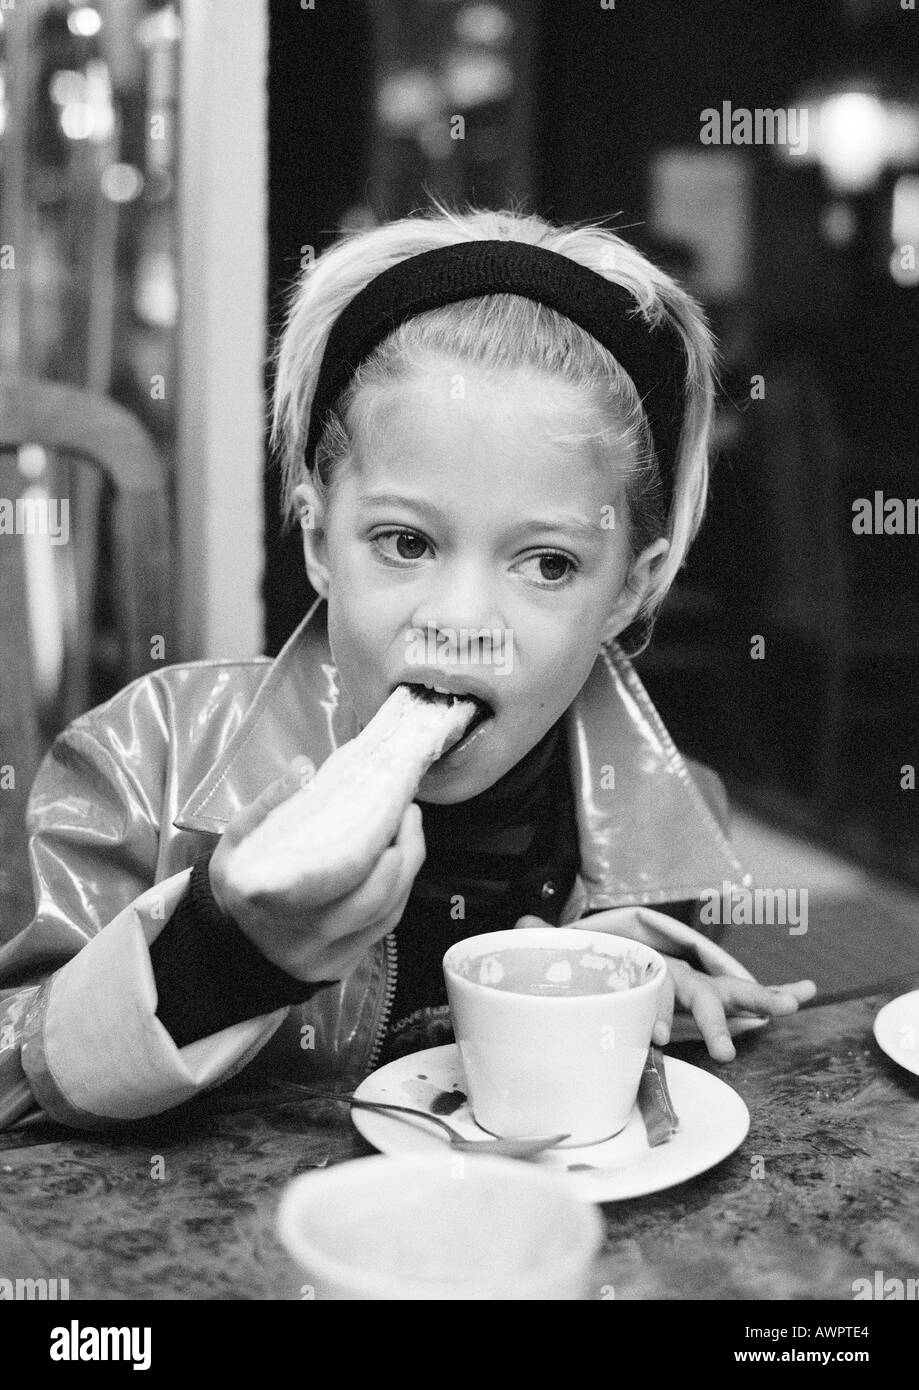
504 331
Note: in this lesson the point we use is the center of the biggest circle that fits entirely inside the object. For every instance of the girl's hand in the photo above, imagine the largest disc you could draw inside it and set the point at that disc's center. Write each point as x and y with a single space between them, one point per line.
712 998
317 937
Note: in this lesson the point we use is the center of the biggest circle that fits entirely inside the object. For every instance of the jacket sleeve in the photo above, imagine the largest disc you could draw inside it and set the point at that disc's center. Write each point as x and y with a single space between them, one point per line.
79 1034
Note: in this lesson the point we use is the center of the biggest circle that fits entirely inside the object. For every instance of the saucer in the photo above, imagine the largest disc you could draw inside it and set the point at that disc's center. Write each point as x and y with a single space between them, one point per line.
896 1029
713 1122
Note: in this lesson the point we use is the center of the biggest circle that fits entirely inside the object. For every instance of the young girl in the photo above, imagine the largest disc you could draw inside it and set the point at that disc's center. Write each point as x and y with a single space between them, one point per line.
494 433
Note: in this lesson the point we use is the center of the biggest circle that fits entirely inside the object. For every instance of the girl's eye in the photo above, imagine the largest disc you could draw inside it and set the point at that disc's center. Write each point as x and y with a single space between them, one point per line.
553 569
399 546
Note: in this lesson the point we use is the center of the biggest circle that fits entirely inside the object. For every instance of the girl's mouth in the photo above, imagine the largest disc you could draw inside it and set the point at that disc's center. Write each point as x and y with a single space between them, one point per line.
483 713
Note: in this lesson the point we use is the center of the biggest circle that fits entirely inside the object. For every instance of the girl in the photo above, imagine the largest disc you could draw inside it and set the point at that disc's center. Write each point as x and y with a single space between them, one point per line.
494 433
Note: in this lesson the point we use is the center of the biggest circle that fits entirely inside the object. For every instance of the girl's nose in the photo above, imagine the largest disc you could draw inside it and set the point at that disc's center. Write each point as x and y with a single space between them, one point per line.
461 597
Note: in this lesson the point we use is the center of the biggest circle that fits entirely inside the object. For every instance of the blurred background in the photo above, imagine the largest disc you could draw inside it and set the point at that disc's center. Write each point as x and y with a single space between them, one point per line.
165 170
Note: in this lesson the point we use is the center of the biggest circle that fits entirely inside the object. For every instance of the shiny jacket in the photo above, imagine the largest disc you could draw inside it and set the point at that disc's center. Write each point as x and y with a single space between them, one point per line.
132 792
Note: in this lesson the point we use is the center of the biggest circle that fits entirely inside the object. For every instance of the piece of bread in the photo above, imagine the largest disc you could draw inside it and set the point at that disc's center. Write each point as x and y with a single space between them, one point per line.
320 840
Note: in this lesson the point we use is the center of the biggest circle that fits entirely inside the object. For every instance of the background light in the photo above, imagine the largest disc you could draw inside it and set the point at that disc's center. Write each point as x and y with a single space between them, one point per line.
408 99
837 223
77 120
855 132
156 296
852 140
122 183
84 22
486 24
475 78
85 99
67 86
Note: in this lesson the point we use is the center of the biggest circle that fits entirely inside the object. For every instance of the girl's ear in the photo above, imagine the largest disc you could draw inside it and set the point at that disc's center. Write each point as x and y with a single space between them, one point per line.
632 593
312 514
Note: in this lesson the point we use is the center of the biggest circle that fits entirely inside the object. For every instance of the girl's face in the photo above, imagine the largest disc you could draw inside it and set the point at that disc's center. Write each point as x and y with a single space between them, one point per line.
469 551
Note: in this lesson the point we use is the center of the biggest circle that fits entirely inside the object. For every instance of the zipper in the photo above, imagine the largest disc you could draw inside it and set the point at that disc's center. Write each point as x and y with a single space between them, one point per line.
389 995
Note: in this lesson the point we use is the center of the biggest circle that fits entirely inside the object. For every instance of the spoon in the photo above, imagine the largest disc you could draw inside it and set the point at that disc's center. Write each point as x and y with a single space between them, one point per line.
509 1148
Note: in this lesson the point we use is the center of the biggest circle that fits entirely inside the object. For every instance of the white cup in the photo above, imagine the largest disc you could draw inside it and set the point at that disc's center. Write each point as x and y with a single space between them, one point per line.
541 1064
439 1226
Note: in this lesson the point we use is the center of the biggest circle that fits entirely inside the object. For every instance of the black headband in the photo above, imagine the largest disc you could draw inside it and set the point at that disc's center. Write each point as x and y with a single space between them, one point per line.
653 357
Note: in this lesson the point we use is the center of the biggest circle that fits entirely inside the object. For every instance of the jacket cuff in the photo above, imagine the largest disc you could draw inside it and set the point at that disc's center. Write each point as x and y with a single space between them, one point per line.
208 974
16 1098
94 1052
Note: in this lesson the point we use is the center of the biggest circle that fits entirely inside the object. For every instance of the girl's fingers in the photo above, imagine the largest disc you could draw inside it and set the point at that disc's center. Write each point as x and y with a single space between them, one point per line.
407 853
802 990
747 994
409 845
698 994
367 904
709 998
389 883
410 841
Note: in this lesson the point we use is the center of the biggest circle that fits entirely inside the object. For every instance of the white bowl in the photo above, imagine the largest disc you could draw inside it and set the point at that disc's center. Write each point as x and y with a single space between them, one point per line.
438 1226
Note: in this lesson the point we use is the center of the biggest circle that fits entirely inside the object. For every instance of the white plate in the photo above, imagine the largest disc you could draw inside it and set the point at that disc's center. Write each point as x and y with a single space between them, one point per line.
713 1122
897 1031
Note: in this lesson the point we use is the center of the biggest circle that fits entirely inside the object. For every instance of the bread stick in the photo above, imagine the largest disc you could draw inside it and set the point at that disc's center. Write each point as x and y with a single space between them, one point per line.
322 836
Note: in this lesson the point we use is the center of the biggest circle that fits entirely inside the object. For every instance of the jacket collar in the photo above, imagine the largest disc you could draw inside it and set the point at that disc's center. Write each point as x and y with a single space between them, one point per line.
645 833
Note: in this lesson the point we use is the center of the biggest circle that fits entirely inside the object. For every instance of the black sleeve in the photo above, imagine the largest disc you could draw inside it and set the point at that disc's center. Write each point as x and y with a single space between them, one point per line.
208 973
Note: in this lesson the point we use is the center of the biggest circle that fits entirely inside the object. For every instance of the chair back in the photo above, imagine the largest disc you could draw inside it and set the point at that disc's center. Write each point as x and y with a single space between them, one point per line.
83 504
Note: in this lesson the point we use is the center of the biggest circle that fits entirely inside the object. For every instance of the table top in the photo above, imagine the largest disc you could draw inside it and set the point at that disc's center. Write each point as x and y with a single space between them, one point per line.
822 1192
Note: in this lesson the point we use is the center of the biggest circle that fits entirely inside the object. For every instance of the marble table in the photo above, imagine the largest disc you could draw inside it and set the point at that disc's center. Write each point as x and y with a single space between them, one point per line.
824 1191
